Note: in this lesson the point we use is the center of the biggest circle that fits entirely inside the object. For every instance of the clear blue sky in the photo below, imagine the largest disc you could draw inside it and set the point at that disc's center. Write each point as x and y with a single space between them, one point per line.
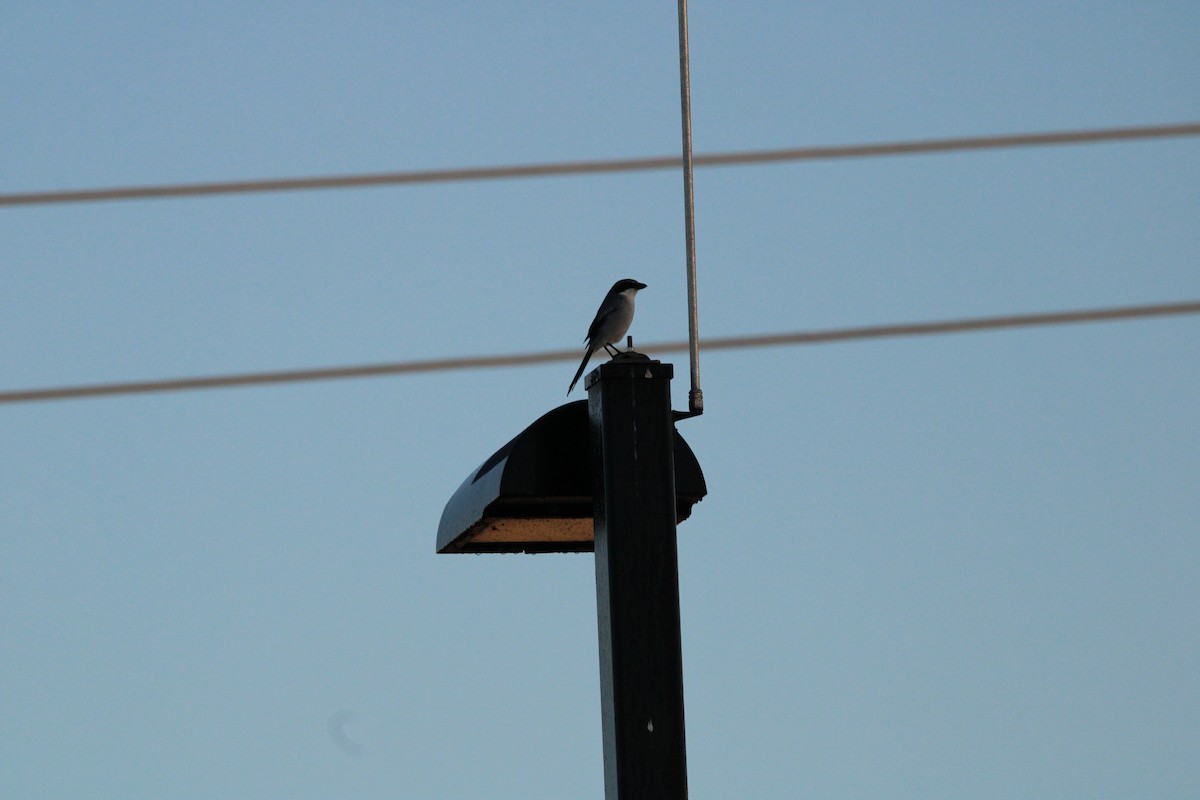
961 566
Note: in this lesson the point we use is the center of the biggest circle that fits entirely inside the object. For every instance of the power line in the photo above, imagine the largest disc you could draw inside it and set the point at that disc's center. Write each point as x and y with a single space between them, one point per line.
743 158
524 359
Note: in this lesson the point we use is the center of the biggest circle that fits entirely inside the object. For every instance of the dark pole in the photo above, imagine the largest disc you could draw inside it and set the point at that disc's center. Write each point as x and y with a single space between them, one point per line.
637 579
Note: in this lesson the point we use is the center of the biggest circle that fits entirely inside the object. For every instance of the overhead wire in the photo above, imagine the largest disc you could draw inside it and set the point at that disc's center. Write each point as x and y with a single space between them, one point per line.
741 158
810 337
587 167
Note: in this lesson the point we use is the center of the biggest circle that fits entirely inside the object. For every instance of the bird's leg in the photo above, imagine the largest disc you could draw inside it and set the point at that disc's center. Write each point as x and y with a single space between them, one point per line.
612 351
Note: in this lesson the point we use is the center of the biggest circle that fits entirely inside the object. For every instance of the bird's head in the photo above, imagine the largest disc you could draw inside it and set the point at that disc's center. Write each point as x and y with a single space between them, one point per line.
625 284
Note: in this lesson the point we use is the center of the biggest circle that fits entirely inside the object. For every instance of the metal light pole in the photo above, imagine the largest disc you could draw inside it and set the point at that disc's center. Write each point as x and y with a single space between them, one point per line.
530 497
637 579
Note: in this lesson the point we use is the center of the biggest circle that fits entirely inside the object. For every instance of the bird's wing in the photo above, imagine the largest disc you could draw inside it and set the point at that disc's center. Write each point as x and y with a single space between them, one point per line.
607 309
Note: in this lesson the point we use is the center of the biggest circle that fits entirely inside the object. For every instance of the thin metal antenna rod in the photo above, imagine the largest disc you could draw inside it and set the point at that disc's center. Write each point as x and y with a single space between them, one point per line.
695 396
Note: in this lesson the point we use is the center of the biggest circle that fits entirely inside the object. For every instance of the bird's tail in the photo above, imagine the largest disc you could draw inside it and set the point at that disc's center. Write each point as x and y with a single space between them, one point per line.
587 354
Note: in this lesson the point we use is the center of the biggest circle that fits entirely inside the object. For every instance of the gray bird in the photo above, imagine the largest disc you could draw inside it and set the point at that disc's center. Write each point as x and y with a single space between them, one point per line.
612 321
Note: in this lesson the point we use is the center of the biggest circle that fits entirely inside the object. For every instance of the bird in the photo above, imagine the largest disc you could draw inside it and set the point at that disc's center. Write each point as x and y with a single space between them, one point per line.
613 319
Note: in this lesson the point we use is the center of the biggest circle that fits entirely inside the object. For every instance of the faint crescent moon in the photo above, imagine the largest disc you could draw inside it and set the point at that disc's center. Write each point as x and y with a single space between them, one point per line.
336 726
